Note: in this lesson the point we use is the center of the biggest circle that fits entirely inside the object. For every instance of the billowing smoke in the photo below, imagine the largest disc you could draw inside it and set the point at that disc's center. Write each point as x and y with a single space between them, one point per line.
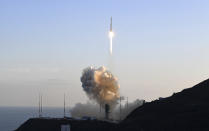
89 109
93 110
100 85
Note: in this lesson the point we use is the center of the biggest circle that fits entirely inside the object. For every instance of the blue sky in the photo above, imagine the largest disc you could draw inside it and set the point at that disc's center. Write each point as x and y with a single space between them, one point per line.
160 47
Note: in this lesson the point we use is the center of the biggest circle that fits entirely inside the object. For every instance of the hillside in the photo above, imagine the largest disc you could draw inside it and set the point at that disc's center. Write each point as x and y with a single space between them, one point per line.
54 124
186 110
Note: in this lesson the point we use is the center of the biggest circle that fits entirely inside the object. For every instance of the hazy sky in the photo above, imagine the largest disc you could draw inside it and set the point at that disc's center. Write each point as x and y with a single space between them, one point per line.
160 47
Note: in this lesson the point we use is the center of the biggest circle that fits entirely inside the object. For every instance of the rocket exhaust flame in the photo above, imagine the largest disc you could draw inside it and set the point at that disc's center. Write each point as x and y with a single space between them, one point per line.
100 85
111 34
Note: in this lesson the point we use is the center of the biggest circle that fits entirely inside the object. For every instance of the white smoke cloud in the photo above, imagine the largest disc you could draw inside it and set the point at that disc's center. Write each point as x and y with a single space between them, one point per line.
93 110
100 85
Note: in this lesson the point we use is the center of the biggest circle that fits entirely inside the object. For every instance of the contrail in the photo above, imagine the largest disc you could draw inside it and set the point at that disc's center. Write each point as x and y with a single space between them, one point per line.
111 45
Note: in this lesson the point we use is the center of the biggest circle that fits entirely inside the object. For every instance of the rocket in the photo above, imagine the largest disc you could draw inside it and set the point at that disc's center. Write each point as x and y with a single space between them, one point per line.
111 34
111 24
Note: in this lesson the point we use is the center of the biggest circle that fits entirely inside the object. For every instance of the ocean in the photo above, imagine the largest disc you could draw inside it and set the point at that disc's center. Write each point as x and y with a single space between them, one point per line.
12 117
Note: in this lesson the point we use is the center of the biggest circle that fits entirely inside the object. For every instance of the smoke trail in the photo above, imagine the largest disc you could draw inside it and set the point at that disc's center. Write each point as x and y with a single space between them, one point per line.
110 45
111 34
100 85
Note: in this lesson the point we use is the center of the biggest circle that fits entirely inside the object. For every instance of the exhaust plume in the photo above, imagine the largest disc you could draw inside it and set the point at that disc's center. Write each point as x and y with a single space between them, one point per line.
92 109
100 85
111 36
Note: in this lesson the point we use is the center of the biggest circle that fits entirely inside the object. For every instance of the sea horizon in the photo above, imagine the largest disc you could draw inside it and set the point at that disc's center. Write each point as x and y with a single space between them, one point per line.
13 116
